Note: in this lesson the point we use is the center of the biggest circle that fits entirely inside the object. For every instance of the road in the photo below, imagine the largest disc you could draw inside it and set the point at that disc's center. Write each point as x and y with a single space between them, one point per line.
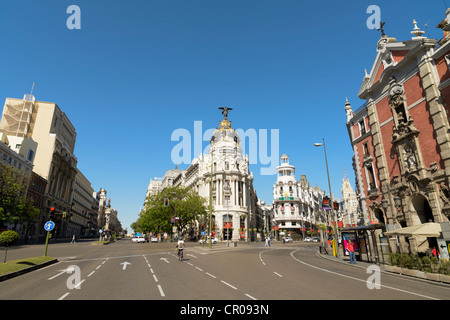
151 271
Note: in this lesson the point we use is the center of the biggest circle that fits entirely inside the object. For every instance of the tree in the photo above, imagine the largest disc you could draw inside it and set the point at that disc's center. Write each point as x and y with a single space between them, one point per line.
8 238
184 203
15 208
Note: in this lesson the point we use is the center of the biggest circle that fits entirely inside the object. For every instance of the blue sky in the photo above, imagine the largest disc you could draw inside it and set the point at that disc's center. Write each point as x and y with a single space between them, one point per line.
138 70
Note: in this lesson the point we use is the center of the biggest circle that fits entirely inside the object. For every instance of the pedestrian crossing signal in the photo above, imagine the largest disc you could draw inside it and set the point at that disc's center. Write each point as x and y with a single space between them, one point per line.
166 202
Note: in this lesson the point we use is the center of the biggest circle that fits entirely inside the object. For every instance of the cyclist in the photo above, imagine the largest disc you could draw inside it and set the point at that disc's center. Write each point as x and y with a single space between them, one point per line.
180 246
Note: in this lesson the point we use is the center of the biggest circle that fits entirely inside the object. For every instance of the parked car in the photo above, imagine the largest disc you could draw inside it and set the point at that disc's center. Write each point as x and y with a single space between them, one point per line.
214 241
138 239
288 239
315 239
154 239
307 239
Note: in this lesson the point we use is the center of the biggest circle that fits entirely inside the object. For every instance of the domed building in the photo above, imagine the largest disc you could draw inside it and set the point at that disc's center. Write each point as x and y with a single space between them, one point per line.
234 200
297 207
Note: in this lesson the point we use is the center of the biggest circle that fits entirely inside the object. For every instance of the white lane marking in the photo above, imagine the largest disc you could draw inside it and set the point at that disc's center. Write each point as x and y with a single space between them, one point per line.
58 274
209 274
251 297
90 274
228 284
260 258
154 277
161 292
198 268
278 274
353 278
79 283
63 296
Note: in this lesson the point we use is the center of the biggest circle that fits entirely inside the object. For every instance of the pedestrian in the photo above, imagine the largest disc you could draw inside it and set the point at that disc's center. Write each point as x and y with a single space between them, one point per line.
73 239
268 241
351 252
436 253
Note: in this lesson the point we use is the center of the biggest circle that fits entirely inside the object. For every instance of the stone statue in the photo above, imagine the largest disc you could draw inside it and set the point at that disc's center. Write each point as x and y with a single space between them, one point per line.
225 111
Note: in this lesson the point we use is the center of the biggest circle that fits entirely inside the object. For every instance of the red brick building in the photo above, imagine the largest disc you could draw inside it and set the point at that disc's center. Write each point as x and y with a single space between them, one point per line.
400 136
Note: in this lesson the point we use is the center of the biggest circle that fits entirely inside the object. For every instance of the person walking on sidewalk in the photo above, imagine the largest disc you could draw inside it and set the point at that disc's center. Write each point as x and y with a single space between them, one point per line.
351 252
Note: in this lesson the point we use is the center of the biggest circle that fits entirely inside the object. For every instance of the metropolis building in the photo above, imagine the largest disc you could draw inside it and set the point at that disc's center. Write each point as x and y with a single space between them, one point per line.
234 201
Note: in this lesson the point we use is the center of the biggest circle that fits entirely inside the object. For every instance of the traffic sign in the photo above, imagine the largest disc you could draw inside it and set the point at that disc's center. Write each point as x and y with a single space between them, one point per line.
203 233
49 225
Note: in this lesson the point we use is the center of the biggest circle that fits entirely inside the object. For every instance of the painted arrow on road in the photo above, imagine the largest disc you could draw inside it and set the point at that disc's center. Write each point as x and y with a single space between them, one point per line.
165 259
125 265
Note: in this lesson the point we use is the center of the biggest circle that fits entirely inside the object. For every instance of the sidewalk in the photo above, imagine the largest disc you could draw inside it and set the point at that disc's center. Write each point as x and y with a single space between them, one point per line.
395 271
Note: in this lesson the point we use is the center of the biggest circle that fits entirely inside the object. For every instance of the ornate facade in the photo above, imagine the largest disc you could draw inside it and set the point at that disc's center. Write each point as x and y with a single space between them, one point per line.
400 136
297 207
235 214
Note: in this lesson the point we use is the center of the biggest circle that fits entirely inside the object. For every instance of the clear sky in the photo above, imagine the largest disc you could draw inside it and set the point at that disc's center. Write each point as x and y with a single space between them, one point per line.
138 70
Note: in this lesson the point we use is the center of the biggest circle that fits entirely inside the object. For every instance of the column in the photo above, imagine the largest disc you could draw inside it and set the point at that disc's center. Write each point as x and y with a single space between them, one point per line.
244 194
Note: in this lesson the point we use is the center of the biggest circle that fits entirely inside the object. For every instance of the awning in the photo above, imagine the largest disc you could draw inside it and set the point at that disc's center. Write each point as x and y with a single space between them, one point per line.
429 230
372 226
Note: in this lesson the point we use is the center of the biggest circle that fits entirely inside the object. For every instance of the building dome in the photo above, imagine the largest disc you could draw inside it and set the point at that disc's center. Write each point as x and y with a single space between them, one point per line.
225 132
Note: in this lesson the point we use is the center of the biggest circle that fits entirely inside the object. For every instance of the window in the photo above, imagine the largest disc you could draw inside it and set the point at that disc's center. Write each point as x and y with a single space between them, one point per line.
362 126
366 149
30 155
227 165
371 178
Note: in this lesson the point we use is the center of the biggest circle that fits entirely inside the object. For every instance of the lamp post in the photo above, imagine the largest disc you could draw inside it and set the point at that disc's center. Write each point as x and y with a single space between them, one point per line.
331 196
210 195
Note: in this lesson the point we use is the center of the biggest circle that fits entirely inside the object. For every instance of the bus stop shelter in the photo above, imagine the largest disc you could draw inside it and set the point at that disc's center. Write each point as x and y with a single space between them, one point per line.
369 245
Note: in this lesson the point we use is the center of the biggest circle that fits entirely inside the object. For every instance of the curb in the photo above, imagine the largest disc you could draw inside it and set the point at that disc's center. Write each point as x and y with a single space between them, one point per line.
26 270
386 269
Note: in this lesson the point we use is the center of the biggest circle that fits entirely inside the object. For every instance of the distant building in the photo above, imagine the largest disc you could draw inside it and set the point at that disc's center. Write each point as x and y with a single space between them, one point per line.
81 220
297 207
350 206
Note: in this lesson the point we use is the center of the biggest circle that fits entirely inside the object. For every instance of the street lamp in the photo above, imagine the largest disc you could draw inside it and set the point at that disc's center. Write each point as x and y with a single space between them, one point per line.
331 196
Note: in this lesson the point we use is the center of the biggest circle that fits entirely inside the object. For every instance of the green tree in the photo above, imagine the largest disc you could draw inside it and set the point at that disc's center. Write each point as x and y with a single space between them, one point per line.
184 203
8 238
14 206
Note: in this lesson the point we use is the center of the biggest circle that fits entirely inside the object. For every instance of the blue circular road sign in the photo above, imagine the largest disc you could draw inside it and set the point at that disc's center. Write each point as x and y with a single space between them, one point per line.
49 225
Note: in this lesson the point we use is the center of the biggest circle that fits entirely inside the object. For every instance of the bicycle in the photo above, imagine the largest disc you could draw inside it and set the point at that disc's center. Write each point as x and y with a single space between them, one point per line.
180 254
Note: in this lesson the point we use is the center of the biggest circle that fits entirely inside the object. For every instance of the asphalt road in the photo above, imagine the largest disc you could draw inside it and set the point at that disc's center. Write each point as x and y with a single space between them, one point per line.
151 271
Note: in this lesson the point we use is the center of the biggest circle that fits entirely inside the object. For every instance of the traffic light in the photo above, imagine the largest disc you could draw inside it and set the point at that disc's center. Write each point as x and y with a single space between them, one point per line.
52 211
166 202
